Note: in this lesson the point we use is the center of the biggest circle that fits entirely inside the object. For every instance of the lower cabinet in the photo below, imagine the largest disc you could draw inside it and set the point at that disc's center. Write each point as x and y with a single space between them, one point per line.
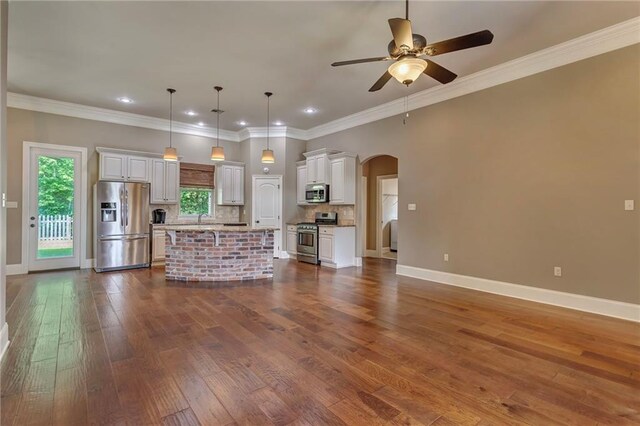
337 246
292 239
158 247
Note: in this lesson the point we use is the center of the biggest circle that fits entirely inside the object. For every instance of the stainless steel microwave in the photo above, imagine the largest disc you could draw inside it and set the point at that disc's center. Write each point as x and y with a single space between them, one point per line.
317 193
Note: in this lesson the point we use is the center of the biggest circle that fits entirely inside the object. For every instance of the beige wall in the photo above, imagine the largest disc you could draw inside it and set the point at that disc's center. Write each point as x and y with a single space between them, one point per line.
377 166
32 126
4 10
516 179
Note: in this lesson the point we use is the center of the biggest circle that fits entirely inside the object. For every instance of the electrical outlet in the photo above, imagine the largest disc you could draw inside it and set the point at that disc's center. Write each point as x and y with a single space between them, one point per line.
446 257
557 271
629 205
411 207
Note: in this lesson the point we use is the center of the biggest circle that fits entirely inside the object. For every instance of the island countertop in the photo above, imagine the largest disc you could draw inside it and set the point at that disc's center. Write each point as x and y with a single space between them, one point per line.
210 227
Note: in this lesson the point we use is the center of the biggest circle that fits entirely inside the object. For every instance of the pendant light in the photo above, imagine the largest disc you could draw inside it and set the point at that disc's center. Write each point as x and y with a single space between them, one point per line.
217 152
170 153
267 154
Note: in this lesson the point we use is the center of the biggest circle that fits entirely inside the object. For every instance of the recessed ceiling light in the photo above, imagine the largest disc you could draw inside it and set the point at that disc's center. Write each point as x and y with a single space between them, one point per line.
201 124
310 110
191 113
278 123
242 123
125 100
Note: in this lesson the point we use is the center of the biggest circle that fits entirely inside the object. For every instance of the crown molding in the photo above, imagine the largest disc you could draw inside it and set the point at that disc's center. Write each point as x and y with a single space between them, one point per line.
32 103
608 39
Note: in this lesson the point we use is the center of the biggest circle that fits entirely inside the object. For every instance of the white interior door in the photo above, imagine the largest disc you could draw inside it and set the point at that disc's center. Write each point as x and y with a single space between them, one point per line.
53 213
267 206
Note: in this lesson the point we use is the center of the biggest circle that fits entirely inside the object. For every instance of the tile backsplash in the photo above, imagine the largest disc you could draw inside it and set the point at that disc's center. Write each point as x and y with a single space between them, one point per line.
222 213
346 214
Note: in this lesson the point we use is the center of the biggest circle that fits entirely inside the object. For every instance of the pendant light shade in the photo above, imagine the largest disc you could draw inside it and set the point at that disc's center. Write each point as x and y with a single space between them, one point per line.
170 153
217 152
267 154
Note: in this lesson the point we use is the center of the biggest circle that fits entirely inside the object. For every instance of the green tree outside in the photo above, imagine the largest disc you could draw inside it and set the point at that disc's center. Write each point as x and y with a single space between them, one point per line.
55 186
194 201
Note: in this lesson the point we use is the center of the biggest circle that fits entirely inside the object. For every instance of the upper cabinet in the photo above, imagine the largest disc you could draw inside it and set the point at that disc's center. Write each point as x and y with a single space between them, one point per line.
342 186
301 181
230 184
165 182
318 166
124 167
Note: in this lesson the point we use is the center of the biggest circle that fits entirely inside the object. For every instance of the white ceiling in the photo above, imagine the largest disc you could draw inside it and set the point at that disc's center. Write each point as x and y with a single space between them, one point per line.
91 53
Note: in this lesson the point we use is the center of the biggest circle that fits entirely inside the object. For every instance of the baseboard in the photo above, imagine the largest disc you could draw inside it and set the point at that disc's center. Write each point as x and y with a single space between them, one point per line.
17 269
284 255
611 308
370 253
358 262
87 264
4 340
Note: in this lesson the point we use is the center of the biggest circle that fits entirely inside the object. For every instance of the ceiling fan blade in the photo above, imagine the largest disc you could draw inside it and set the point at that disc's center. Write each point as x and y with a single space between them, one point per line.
402 33
381 82
360 61
439 72
459 43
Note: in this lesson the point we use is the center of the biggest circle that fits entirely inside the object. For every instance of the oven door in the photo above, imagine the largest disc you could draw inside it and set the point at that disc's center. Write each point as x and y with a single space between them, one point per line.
307 242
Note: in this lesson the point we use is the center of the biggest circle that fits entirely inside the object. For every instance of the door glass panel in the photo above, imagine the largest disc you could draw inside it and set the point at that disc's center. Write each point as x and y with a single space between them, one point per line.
55 206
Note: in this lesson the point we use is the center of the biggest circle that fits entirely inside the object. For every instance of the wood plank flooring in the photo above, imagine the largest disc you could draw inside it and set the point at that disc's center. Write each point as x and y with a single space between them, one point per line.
313 347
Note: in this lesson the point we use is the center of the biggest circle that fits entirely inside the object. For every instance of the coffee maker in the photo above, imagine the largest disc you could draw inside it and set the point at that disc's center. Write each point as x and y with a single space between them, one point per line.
159 215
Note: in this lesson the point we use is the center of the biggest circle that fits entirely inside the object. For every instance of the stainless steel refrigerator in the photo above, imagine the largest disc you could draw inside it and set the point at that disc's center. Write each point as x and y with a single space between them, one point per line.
121 225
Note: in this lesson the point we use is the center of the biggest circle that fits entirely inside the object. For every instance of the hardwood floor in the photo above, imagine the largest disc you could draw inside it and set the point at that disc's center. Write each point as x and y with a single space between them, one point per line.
313 347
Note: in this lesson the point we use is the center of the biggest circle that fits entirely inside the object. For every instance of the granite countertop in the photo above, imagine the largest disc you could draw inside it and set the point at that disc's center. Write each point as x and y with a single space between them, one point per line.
210 227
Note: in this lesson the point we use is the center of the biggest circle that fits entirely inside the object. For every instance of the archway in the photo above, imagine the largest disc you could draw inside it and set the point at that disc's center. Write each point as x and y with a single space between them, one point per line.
379 213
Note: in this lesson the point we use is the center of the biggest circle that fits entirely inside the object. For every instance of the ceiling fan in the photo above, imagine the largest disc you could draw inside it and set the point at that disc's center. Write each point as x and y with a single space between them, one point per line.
406 50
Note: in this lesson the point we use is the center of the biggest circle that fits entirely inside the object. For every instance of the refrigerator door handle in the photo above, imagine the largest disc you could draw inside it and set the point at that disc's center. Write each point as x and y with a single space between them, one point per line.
121 210
126 207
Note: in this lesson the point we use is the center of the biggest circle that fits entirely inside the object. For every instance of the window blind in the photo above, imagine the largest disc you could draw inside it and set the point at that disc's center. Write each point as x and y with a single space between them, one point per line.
197 175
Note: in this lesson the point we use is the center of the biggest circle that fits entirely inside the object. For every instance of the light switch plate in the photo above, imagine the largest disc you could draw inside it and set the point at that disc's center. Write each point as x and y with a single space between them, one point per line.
557 271
629 205
412 207
12 204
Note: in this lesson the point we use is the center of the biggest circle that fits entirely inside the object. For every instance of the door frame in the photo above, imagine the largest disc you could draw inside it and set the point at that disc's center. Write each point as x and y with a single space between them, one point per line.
282 254
379 180
26 173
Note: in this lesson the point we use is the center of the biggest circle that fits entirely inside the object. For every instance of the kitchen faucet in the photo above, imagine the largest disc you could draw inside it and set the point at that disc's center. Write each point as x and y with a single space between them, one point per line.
200 217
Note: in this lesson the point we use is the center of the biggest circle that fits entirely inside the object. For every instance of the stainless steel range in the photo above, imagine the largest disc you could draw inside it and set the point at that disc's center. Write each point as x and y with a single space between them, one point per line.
308 236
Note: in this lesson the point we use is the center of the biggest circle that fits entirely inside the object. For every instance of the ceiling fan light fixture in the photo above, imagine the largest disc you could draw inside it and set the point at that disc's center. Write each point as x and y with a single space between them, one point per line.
407 70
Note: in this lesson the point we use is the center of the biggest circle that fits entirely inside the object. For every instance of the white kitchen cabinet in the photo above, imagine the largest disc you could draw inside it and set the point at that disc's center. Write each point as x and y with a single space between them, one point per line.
165 182
123 167
337 246
301 180
342 187
292 239
230 184
158 246
317 169
113 167
138 169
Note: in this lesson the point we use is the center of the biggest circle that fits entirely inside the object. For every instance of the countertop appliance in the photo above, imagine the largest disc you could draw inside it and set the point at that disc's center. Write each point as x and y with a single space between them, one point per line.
316 193
122 225
307 246
159 215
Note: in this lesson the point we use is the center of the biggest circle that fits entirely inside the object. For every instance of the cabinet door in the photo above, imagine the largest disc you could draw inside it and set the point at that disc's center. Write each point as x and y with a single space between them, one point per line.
137 169
322 169
325 248
292 242
157 181
113 167
312 169
227 185
158 245
336 189
171 181
238 185
301 182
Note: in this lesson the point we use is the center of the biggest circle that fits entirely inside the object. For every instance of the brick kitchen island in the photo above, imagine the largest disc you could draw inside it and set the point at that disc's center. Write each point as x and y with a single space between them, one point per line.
218 253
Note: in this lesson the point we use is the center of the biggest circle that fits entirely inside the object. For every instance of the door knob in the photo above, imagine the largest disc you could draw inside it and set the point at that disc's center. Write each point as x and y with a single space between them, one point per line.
33 225
32 218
